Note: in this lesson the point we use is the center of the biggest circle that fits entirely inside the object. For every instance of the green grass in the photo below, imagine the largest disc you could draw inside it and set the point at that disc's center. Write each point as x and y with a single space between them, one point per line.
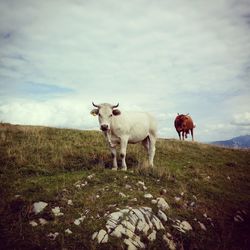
46 164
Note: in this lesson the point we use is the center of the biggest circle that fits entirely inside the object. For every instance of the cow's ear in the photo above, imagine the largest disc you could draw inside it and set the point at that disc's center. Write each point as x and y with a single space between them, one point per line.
116 112
94 112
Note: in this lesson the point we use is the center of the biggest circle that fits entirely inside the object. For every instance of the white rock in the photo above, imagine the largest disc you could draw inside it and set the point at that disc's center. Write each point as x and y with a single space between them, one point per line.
183 226
162 204
128 186
154 201
53 236
152 236
170 242
157 223
134 199
122 195
102 236
162 215
177 198
238 218
148 196
130 245
39 206
125 177
91 176
202 226
79 220
118 231
33 223
70 202
68 231
56 211
43 221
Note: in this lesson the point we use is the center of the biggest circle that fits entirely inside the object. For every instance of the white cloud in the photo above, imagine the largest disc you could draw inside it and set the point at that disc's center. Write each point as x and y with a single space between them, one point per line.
241 119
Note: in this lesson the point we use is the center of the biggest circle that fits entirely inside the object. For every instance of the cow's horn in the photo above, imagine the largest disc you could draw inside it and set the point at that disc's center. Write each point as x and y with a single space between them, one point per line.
97 106
115 106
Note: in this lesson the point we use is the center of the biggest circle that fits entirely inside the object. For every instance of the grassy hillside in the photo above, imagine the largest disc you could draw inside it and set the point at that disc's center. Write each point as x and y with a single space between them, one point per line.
207 186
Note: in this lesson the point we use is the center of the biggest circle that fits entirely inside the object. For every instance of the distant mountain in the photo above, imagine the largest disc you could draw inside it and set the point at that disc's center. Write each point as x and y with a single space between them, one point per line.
236 142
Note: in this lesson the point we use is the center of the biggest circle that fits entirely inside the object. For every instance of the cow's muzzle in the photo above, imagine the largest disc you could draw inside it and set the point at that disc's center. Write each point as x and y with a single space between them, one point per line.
104 127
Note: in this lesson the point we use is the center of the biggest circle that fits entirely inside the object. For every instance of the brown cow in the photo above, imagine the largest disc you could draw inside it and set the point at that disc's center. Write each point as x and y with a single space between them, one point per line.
184 124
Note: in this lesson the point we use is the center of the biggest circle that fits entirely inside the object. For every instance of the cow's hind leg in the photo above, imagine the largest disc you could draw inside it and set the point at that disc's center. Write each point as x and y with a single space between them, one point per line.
151 151
146 143
192 133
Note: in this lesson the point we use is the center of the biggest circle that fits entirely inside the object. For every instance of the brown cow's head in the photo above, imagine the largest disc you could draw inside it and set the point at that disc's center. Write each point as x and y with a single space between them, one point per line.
180 122
105 112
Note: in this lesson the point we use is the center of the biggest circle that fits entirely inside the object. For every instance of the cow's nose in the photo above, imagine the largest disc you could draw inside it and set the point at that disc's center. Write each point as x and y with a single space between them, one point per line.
104 127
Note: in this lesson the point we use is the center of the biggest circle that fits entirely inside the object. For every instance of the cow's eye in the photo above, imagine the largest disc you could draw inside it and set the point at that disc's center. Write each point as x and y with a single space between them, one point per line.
110 115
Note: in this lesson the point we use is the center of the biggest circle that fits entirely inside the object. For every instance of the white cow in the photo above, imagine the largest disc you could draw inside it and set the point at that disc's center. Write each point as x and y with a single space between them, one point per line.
126 127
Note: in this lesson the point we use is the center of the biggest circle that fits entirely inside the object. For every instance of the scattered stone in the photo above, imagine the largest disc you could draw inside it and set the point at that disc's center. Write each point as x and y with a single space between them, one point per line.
43 221
17 196
183 226
142 184
195 197
152 236
128 186
132 223
182 193
148 196
192 204
97 196
122 195
101 236
238 218
125 177
53 236
57 212
33 223
39 206
70 202
169 241
162 215
91 176
202 226
68 231
79 220
84 184
134 199
228 177
154 201
162 204
177 199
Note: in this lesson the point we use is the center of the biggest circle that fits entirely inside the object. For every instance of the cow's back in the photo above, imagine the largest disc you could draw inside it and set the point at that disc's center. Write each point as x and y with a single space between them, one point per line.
137 125
189 123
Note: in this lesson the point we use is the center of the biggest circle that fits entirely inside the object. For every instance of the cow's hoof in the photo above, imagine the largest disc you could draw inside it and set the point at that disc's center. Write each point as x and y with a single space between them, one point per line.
124 168
114 169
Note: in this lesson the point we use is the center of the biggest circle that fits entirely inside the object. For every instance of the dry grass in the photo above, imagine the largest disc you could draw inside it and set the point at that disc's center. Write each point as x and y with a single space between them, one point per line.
38 163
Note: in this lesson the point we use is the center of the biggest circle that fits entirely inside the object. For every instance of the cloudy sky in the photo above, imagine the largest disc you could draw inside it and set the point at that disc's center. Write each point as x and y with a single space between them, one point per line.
162 56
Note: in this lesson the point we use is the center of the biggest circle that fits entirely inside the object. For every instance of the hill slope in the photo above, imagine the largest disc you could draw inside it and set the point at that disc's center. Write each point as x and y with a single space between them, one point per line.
207 189
236 142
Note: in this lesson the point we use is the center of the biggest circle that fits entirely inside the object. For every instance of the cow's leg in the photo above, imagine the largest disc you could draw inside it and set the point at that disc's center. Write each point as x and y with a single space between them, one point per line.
183 134
124 143
151 152
179 133
146 143
192 133
113 152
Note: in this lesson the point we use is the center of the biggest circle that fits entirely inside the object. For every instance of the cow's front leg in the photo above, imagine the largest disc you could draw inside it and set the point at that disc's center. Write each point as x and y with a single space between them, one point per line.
124 143
113 152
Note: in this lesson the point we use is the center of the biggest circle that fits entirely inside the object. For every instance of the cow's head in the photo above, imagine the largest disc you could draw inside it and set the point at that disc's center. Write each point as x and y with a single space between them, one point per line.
105 112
